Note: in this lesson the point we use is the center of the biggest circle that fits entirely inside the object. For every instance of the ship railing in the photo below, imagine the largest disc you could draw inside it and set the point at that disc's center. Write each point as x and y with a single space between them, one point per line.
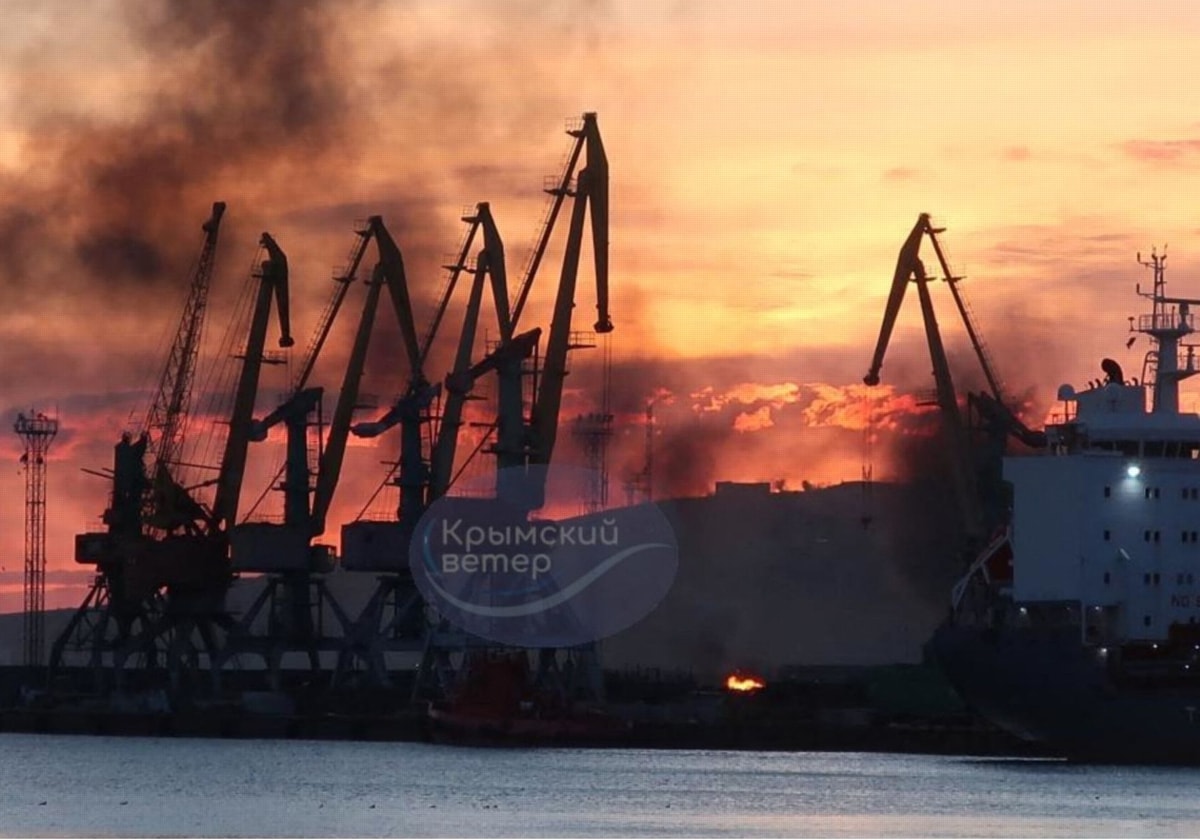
1186 360
1172 319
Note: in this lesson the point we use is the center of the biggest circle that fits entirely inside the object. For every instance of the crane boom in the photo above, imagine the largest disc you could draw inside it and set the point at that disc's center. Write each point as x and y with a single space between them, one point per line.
597 195
330 468
458 386
591 188
273 281
985 360
342 283
454 269
900 279
407 411
493 250
393 272
559 192
544 417
481 219
389 271
173 396
909 268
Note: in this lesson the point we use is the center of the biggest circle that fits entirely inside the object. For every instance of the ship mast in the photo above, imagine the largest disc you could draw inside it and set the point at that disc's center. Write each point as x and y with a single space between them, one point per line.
1169 322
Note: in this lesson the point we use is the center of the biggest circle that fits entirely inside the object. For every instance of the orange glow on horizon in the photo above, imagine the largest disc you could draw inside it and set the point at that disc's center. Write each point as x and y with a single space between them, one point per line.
752 245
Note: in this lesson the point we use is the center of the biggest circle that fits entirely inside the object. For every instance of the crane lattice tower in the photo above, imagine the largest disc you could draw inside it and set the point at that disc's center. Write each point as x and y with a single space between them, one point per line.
36 432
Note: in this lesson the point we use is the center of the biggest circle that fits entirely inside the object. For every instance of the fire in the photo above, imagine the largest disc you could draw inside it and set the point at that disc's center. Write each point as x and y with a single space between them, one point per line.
743 682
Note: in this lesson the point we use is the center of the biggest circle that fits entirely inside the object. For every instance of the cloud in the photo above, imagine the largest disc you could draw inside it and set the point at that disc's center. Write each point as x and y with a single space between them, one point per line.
1162 152
860 408
754 421
745 393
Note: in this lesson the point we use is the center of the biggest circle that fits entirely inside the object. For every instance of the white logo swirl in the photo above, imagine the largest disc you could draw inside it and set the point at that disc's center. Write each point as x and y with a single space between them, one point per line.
550 601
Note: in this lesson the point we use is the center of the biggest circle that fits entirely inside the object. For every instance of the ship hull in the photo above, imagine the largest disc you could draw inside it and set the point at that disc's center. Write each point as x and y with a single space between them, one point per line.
1043 684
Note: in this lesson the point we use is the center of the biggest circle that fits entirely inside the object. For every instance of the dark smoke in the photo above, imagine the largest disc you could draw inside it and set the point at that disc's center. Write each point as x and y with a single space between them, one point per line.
246 94
685 459
256 104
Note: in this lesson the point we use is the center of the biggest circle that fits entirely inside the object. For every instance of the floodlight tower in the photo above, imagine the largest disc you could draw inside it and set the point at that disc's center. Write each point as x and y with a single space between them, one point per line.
593 431
36 432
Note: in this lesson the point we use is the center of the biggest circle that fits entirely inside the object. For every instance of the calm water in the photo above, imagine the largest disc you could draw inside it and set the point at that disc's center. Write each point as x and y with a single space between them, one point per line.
58 785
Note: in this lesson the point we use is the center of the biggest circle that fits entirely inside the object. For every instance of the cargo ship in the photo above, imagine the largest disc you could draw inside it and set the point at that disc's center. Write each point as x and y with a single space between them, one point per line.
1079 623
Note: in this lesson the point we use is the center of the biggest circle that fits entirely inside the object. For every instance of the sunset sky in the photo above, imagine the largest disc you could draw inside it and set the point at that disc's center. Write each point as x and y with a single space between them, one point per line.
767 161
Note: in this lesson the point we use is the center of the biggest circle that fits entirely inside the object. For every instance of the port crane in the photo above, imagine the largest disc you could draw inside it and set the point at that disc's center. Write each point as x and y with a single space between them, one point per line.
273 284
162 563
976 442
411 411
911 270
393 619
125 601
371 546
590 194
168 413
523 441
525 446
507 360
295 599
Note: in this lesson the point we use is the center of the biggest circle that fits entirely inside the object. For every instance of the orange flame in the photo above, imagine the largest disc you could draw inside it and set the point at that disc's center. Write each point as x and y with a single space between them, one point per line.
743 682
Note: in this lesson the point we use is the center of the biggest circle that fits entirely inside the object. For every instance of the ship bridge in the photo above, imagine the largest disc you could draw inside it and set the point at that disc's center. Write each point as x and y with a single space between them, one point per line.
1113 417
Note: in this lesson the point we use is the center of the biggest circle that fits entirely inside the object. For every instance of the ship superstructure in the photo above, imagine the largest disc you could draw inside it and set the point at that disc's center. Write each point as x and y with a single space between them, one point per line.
1080 621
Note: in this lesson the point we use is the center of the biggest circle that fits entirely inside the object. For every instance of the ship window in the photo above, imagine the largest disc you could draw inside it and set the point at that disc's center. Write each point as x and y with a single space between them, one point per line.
1195 493
1146 578
1107 492
1179 578
1156 578
1107 535
1146 492
1194 536
1156 492
1183 536
1146 620
1156 536
1183 493
1146 536
1107 577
